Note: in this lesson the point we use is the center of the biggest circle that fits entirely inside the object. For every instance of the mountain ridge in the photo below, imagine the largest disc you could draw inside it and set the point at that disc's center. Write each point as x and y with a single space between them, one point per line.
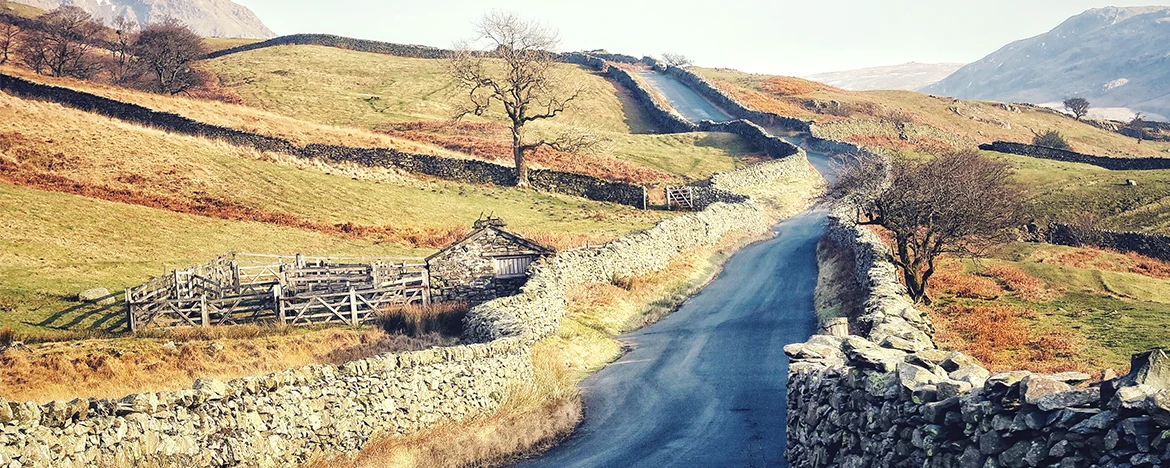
209 18
910 76
1114 57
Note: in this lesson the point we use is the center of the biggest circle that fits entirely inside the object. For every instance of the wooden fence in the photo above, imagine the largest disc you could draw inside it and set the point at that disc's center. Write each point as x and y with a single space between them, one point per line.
250 288
680 197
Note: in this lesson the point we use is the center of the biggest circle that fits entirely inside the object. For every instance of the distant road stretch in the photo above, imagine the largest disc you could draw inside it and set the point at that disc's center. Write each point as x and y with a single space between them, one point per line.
685 100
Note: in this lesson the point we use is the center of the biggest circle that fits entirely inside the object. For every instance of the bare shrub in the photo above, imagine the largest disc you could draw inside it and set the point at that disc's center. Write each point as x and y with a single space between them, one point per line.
1051 139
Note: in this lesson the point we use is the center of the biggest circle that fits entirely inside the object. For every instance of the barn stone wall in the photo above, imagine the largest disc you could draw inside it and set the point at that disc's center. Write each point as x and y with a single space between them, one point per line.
467 273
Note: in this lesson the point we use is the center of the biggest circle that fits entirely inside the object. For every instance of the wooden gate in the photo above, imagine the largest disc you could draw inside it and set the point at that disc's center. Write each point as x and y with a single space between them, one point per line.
680 197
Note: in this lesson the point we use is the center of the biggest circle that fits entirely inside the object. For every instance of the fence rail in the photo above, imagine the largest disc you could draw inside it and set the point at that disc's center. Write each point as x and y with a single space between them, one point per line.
249 288
680 197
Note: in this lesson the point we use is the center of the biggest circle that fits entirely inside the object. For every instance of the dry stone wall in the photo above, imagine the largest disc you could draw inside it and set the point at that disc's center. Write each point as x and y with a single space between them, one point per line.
284 418
665 119
1116 164
732 105
537 311
463 170
348 43
886 397
280 419
1148 244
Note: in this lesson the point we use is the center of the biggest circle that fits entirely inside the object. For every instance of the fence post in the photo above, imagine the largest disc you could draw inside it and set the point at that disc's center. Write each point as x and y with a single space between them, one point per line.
277 304
130 312
204 318
426 287
353 312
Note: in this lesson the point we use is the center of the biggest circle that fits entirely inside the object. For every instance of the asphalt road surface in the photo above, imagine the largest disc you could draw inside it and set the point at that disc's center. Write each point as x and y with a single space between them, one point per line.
705 387
685 100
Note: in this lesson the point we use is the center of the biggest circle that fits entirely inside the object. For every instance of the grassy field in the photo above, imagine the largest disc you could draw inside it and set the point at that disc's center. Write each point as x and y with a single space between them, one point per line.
211 196
20 9
214 44
1059 190
1050 308
374 92
978 121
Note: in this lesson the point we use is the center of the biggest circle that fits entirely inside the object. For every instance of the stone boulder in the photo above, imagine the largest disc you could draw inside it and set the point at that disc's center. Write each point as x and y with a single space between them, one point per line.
99 296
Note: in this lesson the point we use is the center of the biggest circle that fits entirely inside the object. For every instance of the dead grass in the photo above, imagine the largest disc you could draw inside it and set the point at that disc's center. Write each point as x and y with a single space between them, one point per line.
1000 337
1025 286
175 359
1099 259
444 318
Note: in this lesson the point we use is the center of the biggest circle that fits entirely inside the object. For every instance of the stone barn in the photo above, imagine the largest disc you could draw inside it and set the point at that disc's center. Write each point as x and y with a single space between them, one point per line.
489 263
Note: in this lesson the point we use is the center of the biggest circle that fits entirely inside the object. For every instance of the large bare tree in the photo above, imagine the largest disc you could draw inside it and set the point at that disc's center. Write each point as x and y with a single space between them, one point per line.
166 50
957 202
511 63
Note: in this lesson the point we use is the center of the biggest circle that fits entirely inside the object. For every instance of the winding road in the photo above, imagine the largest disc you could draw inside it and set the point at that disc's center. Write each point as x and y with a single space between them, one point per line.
685 100
706 385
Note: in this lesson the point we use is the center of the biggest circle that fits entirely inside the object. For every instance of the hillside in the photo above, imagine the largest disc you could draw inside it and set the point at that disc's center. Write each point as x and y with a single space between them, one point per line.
413 98
211 18
907 76
1114 57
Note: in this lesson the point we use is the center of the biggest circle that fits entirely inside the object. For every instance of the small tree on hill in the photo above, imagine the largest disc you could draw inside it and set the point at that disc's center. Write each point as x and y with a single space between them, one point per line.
676 60
957 202
1078 106
1050 139
1138 127
515 67
8 35
122 65
166 50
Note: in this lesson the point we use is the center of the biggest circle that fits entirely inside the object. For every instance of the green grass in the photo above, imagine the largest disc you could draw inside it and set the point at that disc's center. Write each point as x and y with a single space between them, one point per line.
56 245
346 88
1116 313
20 9
214 44
1059 190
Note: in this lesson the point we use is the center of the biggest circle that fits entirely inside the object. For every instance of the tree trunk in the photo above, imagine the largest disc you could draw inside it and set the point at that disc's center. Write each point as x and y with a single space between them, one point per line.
518 155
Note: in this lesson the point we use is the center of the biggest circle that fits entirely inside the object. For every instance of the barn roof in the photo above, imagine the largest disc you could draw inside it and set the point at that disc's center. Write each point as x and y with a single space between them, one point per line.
534 248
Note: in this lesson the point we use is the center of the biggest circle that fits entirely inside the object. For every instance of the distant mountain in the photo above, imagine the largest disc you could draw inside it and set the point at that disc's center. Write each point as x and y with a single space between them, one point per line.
210 18
1114 57
908 76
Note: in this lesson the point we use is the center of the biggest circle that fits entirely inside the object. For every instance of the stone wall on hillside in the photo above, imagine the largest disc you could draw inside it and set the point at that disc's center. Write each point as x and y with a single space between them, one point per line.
537 311
348 43
463 170
1116 164
886 397
1148 244
279 419
732 105
771 145
667 120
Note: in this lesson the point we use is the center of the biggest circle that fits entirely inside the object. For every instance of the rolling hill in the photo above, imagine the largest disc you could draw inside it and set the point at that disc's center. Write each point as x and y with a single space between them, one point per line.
907 76
1114 57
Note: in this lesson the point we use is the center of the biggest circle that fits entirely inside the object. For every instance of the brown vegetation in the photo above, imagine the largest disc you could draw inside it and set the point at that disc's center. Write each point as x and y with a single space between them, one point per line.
416 320
1001 339
175 359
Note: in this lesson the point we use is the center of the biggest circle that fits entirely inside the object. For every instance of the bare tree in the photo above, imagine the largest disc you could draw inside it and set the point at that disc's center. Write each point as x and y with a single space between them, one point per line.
1138 126
1078 106
122 65
676 60
956 202
166 50
70 33
514 66
8 34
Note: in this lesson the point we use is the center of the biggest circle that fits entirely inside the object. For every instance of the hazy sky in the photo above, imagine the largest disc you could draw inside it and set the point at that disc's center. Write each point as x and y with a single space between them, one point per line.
777 37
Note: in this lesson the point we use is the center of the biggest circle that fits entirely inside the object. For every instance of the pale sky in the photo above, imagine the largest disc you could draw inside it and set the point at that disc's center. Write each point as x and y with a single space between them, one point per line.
776 37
